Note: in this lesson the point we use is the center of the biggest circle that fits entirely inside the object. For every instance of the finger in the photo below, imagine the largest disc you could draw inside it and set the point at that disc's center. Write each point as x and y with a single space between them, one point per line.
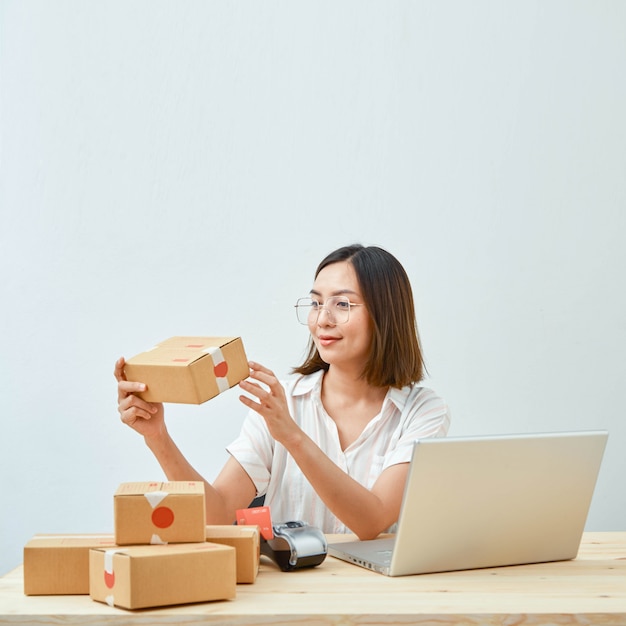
265 377
128 387
262 407
137 406
251 404
257 367
132 414
118 372
254 389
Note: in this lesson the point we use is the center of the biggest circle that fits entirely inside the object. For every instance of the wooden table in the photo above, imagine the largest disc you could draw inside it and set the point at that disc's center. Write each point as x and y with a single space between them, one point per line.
589 590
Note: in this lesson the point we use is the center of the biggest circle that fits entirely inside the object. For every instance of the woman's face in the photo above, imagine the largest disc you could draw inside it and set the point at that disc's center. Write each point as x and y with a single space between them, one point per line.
347 344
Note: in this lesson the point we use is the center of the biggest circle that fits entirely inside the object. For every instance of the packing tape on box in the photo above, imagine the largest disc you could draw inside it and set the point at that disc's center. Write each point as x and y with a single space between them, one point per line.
220 368
155 497
109 574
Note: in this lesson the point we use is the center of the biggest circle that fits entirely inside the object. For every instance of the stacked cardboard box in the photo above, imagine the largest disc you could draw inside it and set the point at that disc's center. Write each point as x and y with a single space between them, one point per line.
59 564
161 553
159 513
247 543
142 576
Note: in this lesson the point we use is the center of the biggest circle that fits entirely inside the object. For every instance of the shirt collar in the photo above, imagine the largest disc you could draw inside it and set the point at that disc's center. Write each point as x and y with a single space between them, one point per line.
398 396
305 384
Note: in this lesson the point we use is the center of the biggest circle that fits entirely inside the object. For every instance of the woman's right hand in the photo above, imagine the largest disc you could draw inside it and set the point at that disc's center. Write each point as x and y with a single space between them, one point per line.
147 418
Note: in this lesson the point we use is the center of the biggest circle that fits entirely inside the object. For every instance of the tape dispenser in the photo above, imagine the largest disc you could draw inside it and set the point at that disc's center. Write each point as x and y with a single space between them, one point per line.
295 545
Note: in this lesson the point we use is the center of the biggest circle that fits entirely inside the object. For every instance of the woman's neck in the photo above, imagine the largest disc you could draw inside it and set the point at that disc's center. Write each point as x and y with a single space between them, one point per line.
350 387
351 403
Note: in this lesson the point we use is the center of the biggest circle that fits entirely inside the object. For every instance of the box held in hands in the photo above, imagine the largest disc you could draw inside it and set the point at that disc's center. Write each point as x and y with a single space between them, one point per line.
159 512
189 370
138 577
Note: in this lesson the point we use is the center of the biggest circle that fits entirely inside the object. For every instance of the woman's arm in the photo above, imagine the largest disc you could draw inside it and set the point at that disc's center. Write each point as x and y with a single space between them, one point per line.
365 512
233 489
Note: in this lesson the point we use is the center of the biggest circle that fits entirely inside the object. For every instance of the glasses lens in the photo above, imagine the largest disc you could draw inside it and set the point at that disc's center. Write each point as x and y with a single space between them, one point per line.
338 308
304 307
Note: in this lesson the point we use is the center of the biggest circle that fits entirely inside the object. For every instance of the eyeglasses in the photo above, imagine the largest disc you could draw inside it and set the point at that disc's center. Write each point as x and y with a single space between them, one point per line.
337 308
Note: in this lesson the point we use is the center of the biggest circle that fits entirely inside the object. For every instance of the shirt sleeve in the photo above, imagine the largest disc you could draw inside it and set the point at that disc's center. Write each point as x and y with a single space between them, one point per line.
254 450
425 415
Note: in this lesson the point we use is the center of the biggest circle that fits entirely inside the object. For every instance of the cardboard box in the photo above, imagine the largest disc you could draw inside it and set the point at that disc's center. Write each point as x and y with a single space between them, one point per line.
158 512
137 577
247 542
189 370
59 564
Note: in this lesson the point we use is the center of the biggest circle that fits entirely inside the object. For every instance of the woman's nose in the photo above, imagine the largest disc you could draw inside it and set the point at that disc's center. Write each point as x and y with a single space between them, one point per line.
328 320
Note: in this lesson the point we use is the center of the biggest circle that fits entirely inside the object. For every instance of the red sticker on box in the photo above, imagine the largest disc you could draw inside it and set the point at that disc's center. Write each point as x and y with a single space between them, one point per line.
257 516
162 517
109 579
221 370
109 574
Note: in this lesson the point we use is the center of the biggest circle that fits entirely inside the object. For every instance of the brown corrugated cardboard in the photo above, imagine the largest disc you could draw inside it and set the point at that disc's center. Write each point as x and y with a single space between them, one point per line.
189 370
247 543
159 512
137 577
59 564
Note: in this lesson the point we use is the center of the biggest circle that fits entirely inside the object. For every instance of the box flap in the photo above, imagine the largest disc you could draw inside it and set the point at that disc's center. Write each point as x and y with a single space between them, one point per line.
174 487
180 351
230 531
69 541
149 551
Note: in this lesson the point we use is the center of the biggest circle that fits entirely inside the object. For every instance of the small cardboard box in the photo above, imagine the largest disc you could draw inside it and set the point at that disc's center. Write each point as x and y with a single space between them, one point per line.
59 564
159 512
247 542
189 370
137 577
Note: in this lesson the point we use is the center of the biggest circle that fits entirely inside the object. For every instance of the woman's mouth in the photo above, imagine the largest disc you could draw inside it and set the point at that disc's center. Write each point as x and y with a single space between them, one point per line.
327 340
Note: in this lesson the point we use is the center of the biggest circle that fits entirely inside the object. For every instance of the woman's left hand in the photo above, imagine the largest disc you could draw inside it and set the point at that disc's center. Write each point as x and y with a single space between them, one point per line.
272 403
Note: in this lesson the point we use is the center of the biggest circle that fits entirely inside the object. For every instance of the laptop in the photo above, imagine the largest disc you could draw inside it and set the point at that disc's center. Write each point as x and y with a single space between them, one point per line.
476 502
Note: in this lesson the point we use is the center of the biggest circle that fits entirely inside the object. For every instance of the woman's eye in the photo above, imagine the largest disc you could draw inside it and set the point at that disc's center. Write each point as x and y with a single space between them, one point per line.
343 304
315 304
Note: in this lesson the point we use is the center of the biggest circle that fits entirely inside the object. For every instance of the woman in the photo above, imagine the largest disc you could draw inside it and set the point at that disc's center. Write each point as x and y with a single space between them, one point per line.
332 446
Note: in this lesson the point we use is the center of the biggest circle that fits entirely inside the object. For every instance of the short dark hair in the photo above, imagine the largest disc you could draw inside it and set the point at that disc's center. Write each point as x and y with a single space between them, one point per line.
395 356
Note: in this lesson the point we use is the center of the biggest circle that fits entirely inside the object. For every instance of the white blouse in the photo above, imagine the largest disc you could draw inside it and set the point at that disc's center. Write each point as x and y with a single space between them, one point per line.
407 414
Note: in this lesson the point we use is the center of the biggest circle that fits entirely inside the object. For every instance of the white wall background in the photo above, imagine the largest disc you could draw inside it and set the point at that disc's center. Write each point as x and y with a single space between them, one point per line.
180 168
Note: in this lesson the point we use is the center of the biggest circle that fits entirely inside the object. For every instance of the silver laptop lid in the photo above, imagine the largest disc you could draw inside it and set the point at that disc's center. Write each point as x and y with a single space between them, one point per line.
474 502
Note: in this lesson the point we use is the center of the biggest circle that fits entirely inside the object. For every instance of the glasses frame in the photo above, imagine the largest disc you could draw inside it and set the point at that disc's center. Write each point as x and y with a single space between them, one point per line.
321 307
